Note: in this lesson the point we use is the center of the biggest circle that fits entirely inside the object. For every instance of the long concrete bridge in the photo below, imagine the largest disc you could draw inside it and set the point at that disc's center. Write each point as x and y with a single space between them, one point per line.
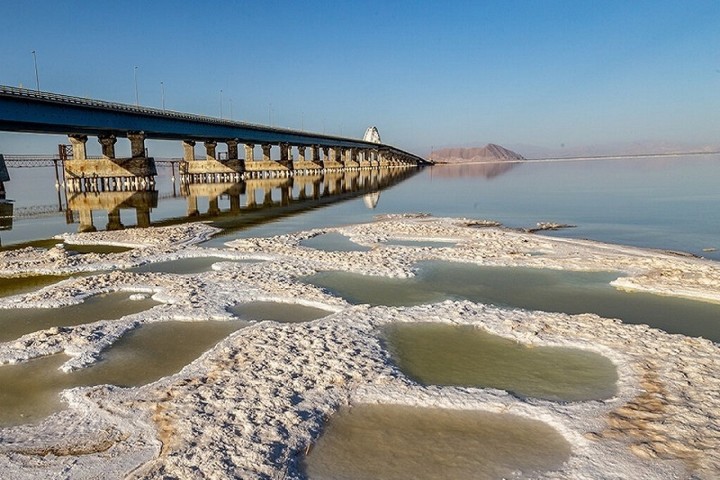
23 110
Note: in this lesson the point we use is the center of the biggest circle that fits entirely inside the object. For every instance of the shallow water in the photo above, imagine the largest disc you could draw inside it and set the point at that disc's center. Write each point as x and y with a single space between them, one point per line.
333 242
16 322
419 243
441 354
185 266
97 248
388 442
528 288
29 391
277 312
16 285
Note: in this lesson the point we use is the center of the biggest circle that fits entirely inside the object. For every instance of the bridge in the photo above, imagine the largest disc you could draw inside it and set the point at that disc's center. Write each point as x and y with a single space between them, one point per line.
23 110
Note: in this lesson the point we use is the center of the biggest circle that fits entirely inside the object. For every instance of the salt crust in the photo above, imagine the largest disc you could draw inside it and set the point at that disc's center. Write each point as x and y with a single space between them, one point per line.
250 406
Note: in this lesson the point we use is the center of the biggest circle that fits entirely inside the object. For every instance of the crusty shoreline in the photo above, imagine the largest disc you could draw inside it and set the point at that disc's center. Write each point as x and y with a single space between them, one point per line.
250 406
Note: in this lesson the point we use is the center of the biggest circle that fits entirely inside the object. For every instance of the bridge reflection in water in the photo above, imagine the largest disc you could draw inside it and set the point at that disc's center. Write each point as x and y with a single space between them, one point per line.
236 204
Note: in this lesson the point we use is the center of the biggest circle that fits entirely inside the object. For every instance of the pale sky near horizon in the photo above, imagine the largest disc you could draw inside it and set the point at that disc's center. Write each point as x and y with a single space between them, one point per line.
542 72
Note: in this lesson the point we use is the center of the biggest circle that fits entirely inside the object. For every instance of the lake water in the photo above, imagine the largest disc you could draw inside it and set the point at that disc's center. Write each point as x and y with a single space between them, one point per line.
666 203
394 442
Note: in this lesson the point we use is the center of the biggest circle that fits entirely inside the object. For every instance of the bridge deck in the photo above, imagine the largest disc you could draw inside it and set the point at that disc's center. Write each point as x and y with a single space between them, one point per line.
23 110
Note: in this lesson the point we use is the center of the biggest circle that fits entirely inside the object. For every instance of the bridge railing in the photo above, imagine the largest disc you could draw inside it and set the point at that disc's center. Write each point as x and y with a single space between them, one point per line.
89 102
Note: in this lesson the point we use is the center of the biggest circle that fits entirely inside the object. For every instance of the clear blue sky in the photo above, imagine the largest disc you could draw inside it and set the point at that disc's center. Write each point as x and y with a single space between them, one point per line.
540 72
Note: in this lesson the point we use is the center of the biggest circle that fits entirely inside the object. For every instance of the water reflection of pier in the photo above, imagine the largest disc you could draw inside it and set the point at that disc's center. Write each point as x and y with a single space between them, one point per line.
263 193
112 202
264 198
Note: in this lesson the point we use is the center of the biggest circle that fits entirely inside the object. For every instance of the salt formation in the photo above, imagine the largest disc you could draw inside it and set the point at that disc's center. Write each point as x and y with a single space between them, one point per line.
251 406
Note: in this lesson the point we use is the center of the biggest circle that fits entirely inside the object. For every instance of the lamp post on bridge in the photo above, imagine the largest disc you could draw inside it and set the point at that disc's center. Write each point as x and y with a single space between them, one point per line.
37 77
221 104
162 93
137 100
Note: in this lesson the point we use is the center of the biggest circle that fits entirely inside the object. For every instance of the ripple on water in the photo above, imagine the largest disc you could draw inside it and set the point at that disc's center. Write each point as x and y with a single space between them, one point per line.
439 354
388 442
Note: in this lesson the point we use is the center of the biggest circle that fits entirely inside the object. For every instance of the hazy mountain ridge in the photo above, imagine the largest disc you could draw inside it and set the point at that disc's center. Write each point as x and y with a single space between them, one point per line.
489 153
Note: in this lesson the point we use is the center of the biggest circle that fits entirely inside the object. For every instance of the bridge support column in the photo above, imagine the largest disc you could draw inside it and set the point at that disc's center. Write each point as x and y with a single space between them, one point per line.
249 152
284 152
266 152
137 144
301 153
210 146
188 150
232 149
78 146
108 145
315 154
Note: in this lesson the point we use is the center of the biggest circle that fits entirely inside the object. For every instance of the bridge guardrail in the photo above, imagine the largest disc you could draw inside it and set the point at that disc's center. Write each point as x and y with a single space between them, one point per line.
89 102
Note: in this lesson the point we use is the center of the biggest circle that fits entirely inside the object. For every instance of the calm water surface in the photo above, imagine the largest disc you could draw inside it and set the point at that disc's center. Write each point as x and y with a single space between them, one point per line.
185 266
30 391
528 288
666 203
441 354
277 312
16 322
389 442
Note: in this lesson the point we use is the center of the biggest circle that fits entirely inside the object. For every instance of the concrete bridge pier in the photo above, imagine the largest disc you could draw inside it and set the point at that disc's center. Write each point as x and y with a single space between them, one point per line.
83 174
308 166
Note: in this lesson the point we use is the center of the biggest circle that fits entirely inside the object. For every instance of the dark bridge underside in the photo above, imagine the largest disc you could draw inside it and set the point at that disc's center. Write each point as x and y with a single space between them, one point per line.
40 112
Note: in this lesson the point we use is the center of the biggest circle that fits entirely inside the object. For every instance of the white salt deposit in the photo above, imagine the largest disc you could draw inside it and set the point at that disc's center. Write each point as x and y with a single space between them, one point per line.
250 406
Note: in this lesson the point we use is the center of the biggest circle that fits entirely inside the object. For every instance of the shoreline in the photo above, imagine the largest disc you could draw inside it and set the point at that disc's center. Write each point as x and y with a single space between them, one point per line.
251 405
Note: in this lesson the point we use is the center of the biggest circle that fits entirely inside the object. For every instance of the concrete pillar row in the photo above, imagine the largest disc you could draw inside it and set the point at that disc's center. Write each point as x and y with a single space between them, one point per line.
188 150
210 146
301 153
284 152
78 146
108 145
137 144
249 152
232 149
266 151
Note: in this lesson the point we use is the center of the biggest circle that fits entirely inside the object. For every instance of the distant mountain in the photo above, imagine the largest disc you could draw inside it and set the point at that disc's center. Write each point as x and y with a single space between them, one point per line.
488 153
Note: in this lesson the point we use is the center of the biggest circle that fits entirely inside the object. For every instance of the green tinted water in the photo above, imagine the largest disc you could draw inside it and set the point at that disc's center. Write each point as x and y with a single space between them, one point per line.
29 391
185 266
277 312
389 442
420 243
534 289
333 242
16 285
432 353
16 322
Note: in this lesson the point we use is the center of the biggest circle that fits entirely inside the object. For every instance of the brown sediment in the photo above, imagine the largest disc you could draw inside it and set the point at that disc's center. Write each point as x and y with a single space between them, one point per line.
100 442
644 422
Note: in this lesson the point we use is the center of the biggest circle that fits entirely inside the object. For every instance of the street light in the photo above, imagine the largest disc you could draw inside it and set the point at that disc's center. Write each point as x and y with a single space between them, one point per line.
37 78
162 92
137 101
231 114
221 102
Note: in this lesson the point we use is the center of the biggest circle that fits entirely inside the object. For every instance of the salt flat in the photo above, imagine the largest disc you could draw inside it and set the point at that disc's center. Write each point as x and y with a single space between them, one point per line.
251 406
